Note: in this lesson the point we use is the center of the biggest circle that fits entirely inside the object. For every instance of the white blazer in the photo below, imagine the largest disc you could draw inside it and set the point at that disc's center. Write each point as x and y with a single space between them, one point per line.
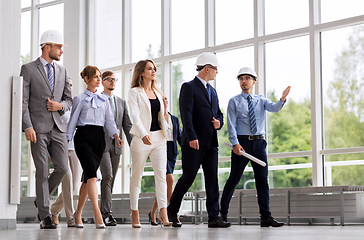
141 114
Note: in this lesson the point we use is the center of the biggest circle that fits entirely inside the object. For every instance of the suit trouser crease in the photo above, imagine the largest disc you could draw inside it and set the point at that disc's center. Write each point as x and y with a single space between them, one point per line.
157 153
191 161
109 167
256 148
49 145
70 185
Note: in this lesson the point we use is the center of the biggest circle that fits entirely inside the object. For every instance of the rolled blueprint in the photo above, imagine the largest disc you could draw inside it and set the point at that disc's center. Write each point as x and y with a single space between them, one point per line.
247 155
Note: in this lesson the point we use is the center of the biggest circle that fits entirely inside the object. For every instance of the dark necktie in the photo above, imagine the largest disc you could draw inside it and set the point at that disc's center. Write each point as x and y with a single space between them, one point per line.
208 89
253 120
50 75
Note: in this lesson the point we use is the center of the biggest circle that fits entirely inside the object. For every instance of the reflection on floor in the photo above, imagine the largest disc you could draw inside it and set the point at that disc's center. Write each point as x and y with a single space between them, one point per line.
187 232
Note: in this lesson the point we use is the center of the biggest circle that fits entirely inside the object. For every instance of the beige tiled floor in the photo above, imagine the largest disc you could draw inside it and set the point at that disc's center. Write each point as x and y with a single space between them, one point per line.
187 232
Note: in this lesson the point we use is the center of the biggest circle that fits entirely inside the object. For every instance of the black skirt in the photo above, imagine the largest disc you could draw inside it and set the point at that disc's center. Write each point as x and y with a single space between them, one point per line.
89 146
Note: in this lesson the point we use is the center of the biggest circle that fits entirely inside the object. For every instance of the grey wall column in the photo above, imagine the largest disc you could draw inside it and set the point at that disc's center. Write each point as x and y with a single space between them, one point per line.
10 12
75 32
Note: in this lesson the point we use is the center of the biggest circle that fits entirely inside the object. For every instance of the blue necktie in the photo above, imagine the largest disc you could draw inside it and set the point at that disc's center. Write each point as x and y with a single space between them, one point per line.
50 75
253 120
208 89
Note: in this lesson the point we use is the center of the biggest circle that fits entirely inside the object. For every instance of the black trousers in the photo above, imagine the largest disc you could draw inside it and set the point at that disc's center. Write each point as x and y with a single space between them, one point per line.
89 146
191 161
255 148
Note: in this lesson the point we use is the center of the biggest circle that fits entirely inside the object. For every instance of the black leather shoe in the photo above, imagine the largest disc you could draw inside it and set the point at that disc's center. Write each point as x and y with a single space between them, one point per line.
218 223
174 219
151 222
270 222
47 223
224 217
110 221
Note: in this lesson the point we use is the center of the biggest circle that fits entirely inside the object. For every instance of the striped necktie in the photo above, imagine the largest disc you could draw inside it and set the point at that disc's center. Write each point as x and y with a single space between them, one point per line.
50 75
253 120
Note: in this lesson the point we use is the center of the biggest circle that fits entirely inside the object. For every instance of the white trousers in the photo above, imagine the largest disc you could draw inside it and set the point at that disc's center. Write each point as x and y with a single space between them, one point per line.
70 185
157 153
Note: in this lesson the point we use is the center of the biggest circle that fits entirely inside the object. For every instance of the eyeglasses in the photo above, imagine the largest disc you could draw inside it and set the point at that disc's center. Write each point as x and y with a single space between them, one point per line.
245 78
110 79
213 67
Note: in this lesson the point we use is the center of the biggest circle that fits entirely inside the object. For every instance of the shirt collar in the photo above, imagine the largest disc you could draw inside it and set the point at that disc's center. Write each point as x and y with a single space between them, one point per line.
202 81
44 62
109 97
245 95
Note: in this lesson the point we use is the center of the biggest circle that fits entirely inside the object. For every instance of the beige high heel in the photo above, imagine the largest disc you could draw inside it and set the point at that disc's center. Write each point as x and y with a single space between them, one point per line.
135 225
77 225
166 224
99 226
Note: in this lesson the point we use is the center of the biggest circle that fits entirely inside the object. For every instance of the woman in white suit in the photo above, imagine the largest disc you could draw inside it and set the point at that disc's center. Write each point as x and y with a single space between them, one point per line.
149 129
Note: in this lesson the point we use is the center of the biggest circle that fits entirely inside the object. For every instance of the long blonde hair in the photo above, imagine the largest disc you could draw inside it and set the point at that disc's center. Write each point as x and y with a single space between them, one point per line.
137 79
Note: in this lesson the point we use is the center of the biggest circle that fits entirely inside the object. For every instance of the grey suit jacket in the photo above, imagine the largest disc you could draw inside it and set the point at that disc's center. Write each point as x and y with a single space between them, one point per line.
36 90
123 122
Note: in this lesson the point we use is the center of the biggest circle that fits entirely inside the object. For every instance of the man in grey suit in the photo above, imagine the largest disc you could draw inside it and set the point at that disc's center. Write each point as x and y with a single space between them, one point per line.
46 97
111 157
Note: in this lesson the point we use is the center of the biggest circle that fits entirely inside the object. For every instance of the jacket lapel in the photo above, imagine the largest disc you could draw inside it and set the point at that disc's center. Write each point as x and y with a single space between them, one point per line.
144 96
199 83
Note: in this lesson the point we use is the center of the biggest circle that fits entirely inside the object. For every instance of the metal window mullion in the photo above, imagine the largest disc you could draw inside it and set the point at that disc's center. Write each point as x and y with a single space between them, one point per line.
259 46
165 49
316 95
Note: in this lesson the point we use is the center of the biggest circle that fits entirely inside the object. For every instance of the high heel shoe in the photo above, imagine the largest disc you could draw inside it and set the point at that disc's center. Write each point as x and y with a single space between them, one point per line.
135 225
150 220
166 224
76 224
99 226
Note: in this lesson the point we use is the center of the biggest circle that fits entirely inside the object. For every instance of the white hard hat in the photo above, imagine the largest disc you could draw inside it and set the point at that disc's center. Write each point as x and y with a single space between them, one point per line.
51 36
247 71
207 58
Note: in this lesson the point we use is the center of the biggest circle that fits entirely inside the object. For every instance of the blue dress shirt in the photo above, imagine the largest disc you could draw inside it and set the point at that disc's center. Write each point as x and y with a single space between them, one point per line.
91 109
238 118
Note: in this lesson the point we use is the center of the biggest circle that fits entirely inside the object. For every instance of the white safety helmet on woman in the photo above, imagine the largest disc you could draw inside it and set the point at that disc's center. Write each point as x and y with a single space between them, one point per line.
247 71
51 37
207 58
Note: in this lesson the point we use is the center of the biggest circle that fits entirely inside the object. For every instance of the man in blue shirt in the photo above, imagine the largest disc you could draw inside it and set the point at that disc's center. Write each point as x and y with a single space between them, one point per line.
245 124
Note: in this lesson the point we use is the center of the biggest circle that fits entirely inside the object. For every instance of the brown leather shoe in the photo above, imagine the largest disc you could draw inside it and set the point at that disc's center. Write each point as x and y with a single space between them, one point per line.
55 219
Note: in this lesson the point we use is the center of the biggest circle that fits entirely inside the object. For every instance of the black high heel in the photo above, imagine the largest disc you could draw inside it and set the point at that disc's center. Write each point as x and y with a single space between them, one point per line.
151 222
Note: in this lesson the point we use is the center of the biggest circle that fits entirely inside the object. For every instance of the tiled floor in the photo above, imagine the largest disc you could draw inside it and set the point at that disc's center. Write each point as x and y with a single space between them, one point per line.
187 232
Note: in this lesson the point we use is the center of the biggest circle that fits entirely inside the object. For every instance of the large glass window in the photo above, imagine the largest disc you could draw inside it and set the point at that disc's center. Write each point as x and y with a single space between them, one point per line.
227 84
51 18
332 10
146 29
25 37
344 169
234 23
108 40
292 172
288 64
182 71
26 3
284 15
187 25
343 87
